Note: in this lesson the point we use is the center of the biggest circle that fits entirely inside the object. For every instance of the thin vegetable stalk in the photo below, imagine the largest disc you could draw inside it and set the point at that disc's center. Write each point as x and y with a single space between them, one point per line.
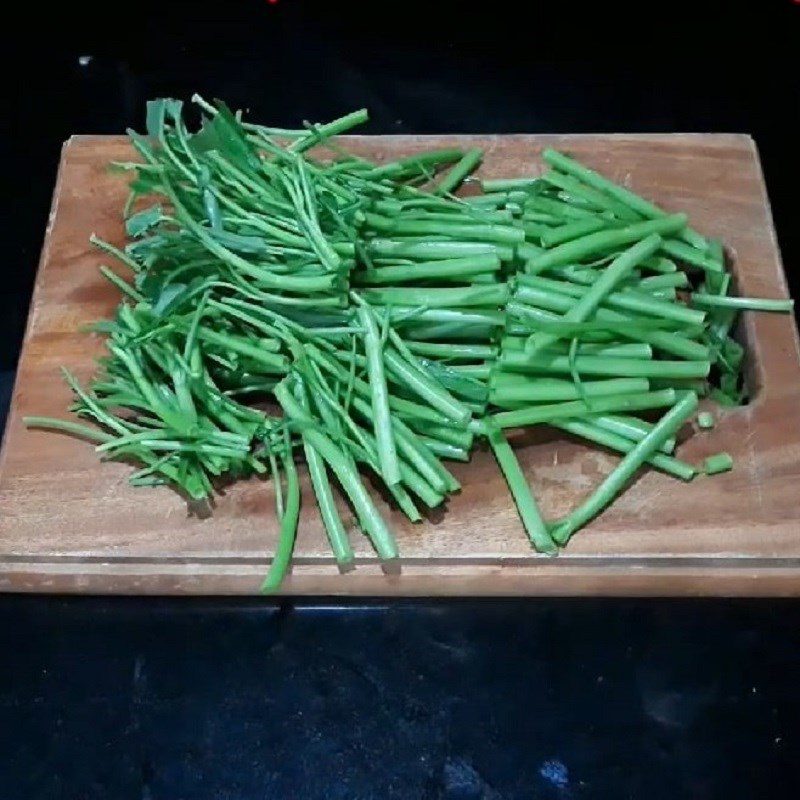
667 426
387 455
288 528
337 535
535 525
370 519
609 278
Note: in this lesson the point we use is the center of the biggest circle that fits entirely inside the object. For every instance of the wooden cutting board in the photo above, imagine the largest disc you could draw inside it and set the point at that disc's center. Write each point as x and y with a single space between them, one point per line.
69 523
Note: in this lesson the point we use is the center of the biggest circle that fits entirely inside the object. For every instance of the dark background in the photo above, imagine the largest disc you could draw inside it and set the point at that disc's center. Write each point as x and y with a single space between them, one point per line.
166 699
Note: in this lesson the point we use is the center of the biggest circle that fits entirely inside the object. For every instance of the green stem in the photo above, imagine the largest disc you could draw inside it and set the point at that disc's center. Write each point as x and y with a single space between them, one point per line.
544 390
288 528
603 242
425 387
601 365
369 518
536 415
449 268
319 133
594 295
586 430
466 166
743 303
620 193
493 295
381 420
529 513
667 426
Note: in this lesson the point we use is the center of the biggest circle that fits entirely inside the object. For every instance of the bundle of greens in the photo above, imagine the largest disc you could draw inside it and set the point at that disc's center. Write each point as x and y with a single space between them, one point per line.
281 302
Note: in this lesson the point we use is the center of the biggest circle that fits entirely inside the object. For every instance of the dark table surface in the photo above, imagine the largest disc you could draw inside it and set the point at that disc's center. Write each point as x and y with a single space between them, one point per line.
122 698
159 699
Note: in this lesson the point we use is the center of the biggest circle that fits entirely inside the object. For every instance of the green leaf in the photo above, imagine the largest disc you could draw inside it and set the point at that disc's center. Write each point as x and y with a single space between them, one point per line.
142 221
146 183
231 141
205 140
241 244
143 145
167 298
173 108
154 120
212 210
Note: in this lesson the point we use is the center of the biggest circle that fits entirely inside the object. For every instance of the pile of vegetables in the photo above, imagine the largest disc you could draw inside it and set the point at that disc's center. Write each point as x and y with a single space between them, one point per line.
361 315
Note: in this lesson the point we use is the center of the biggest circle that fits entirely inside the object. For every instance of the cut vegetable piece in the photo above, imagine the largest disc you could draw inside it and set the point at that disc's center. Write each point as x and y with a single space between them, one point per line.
572 230
427 388
610 277
288 529
601 365
535 415
721 462
630 427
382 420
506 184
690 255
625 299
574 191
666 427
603 242
620 193
422 250
547 390
502 234
370 519
465 167
454 268
705 420
490 296
743 303
445 450
593 433
530 515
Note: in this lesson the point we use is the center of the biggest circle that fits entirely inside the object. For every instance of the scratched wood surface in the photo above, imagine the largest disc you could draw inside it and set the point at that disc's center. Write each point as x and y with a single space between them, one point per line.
70 523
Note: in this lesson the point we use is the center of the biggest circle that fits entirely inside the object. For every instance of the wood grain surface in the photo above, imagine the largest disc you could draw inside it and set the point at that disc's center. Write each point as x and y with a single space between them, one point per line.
69 523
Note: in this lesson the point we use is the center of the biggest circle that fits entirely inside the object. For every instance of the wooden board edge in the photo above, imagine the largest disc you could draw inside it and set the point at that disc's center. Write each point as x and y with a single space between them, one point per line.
743 580
780 265
727 137
41 265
